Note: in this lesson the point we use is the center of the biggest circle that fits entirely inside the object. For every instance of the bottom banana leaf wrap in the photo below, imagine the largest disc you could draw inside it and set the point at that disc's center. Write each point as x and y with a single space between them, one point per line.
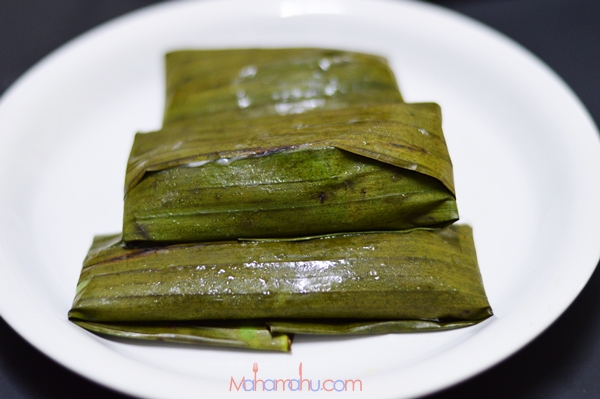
257 294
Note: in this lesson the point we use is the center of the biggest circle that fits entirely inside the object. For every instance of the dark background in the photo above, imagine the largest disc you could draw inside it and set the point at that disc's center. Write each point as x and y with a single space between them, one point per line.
564 362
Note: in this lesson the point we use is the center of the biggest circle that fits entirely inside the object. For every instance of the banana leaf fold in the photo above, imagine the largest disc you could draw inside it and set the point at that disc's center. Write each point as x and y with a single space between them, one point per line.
258 293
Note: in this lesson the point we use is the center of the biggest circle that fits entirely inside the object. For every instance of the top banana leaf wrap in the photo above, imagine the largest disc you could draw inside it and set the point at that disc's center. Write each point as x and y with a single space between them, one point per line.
284 143
252 83
255 294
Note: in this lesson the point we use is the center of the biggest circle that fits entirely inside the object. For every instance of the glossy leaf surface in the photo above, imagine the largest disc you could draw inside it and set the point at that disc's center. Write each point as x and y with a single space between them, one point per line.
347 283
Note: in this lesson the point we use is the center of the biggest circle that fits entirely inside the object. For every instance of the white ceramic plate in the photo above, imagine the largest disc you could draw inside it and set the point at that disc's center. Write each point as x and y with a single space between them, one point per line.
527 163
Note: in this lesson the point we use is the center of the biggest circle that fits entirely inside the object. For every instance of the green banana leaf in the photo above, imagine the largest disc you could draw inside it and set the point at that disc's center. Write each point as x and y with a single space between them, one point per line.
378 282
284 143
250 83
245 335
380 167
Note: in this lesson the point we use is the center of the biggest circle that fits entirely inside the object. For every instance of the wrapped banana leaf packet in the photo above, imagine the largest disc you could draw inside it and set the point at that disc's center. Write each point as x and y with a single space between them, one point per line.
286 143
289 191
258 293
252 83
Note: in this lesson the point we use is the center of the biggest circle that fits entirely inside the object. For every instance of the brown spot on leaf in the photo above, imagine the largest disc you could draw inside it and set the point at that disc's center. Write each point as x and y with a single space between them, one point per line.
322 196
349 184
142 230
409 147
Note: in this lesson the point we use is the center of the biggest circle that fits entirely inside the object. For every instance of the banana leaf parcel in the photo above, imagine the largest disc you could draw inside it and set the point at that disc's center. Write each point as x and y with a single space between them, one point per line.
379 167
251 83
285 143
257 294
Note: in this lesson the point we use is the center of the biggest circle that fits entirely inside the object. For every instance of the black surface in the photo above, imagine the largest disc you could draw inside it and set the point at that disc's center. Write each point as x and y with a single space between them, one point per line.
564 362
